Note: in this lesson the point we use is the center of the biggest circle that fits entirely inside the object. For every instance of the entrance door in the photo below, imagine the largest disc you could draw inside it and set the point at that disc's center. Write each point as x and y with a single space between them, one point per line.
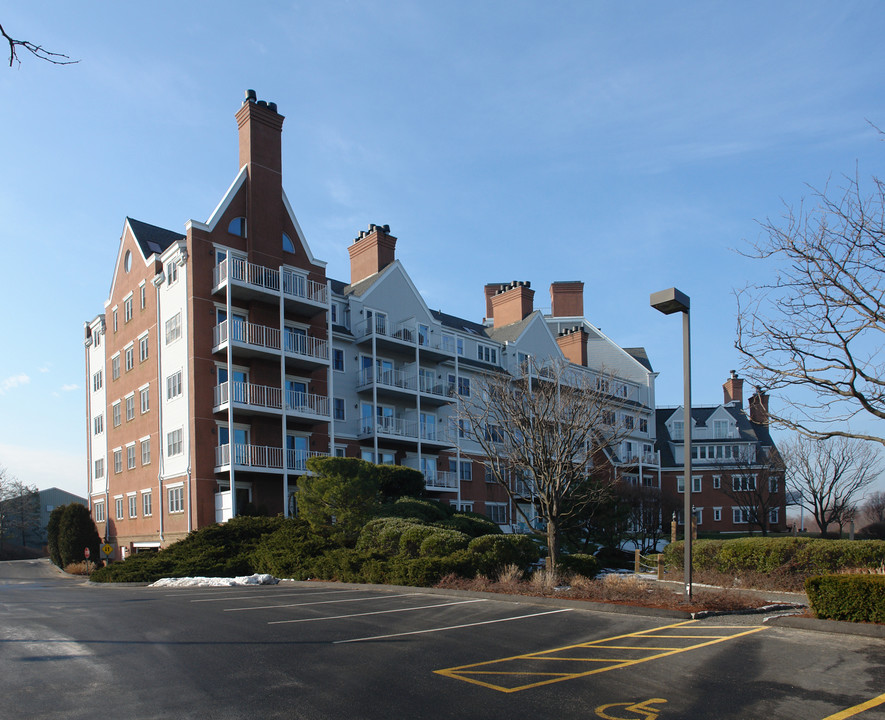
297 452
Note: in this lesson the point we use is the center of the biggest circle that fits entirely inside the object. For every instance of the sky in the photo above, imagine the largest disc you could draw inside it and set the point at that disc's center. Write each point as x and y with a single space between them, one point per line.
632 146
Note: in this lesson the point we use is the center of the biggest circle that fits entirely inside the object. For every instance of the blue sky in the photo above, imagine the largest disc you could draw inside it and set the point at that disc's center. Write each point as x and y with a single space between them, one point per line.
633 146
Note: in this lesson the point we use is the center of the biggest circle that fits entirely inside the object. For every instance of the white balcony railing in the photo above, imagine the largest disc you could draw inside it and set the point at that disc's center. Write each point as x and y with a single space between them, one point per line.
306 346
298 286
260 457
246 333
297 459
307 403
256 396
442 480
265 278
387 378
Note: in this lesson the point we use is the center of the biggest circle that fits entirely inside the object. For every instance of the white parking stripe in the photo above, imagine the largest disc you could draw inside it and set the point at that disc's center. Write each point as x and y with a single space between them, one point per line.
287 594
452 627
322 602
377 612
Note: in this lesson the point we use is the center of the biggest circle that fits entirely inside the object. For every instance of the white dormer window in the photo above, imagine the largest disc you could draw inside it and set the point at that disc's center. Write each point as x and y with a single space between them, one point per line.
677 430
487 354
720 428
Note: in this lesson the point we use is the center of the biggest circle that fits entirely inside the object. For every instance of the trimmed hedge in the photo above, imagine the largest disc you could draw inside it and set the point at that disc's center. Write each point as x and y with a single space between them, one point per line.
494 552
804 556
854 598
579 564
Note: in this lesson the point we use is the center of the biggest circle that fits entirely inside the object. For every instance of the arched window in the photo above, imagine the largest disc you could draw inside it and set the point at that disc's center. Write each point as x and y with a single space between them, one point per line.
127 261
288 245
237 227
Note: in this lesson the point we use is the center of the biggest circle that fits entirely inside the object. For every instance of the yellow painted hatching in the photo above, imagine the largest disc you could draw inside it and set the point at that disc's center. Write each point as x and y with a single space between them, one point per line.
522 672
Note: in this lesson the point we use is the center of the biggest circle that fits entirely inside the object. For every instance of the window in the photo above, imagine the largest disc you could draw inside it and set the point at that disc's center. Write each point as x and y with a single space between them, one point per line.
144 395
608 417
698 515
740 515
129 358
171 272
628 422
720 428
717 482
462 383
133 505
677 431
114 311
173 385
146 452
98 511
487 354
142 295
497 512
237 227
127 309
130 457
147 502
743 483
130 408
333 312
118 506
643 425
465 472
118 460
463 506
173 443
717 514
99 468
115 366
173 328
338 359
696 484
772 485
143 348
116 411
338 406
423 335
98 425
288 245
96 381
680 484
176 500
97 337
773 515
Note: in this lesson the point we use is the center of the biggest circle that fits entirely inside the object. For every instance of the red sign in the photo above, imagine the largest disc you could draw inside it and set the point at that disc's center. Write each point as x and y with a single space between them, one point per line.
86 553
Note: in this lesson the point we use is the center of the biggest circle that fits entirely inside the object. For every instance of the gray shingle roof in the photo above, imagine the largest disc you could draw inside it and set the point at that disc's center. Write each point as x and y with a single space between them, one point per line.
152 239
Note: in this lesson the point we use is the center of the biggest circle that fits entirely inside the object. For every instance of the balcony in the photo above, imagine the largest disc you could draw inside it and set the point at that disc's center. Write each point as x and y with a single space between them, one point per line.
441 481
402 337
307 405
248 280
400 429
387 382
261 458
646 459
305 351
248 338
261 399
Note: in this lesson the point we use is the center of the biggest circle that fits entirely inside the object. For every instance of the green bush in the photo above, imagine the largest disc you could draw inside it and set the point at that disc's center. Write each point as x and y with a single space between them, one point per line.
854 598
579 564
288 551
76 532
804 556
396 481
874 531
382 535
443 542
410 508
52 534
493 552
472 524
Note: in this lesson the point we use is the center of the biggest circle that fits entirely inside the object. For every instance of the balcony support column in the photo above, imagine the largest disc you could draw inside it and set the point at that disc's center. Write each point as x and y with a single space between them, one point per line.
330 387
284 398
231 447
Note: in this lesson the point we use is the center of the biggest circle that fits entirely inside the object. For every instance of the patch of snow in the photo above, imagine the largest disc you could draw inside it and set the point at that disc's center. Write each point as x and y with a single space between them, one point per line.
216 582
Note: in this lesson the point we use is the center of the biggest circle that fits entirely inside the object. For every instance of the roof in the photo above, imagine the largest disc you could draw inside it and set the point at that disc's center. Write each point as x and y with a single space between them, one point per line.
511 332
152 239
456 323
640 356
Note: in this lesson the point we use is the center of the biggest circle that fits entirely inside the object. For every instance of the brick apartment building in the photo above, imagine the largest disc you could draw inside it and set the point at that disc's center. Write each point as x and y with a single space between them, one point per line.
736 476
225 358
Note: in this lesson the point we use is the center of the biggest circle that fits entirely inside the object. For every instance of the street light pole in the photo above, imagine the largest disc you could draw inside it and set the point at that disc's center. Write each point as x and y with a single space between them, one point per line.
668 302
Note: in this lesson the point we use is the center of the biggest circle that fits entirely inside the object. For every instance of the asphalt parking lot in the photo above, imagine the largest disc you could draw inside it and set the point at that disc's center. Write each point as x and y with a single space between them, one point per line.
318 650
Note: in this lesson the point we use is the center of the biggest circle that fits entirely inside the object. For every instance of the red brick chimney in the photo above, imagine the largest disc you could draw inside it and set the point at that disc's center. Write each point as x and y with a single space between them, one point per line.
490 290
733 390
759 407
261 128
573 343
371 251
512 303
567 299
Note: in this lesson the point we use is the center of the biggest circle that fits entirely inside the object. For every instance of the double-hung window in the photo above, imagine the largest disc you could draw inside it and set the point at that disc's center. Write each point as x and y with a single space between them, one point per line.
133 505
115 366
127 309
146 451
147 502
143 348
129 357
130 457
144 397
173 385
130 408
116 412
174 443
176 500
173 328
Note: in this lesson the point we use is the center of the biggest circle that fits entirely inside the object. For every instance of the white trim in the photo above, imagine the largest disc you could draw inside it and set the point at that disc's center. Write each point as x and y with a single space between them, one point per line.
310 257
225 201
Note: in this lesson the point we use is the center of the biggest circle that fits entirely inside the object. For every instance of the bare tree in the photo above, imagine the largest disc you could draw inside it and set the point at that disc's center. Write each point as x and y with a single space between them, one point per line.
37 51
829 476
815 332
21 511
756 485
874 507
551 427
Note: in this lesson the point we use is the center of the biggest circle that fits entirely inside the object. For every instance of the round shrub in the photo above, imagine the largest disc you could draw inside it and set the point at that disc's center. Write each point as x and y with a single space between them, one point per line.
382 535
427 511
411 539
493 552
472 524
579 564
443 541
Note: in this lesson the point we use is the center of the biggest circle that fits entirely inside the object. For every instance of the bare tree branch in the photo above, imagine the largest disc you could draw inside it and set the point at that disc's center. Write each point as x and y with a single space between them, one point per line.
756 484
37 51
815 333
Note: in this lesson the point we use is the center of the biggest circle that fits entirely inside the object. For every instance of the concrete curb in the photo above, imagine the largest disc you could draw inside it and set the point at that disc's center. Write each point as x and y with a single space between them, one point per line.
829 626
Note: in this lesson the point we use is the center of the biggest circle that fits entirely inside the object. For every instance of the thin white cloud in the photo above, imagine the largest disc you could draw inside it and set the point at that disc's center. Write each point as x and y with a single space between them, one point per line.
13 381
